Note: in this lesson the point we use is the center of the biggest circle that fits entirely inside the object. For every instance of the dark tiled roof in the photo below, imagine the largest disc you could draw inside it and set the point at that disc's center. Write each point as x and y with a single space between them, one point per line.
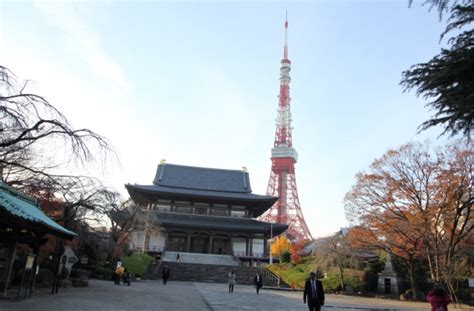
201 193
234 224
202 178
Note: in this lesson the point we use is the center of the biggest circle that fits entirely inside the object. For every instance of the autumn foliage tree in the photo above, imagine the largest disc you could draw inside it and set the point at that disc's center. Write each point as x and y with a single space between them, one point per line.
416 204
298 251
280 246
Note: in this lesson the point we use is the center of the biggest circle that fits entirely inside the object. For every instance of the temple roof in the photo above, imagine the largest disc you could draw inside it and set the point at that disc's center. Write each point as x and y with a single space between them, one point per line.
23 210
207 222
201 193
177 182
202 178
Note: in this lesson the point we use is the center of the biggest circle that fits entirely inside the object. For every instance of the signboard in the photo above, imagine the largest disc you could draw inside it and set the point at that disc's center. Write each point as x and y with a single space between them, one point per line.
29 261
84 260
471 282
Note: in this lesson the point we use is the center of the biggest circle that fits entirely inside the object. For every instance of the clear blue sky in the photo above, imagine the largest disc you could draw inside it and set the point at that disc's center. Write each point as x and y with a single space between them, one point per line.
196 83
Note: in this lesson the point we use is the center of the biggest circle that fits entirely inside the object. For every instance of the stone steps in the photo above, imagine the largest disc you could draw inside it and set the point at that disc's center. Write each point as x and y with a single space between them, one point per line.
212 259
194 272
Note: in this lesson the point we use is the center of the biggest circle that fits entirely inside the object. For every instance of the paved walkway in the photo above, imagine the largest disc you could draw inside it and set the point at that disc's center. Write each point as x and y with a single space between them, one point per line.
151 295
105 296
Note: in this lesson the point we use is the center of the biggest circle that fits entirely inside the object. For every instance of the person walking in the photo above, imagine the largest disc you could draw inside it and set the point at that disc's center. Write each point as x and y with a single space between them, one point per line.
231 277
126 277
313 293
258 281
165 274
177 257
438 299
118 274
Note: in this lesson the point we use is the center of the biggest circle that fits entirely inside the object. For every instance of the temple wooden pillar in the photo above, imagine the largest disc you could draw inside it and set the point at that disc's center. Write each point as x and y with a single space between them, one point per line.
250 246
211 241
11 255
188 246
265 247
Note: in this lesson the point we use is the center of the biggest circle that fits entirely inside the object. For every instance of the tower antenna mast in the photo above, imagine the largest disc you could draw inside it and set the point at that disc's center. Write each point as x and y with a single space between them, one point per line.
282 182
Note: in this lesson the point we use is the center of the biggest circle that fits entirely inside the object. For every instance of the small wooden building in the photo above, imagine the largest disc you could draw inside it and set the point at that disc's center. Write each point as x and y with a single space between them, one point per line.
203 210
22 222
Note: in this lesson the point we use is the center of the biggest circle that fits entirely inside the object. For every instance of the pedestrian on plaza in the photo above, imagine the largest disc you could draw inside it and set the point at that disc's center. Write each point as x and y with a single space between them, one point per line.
258 281
126 277
177 257
231 277
438 299
313 293
118 274
165 274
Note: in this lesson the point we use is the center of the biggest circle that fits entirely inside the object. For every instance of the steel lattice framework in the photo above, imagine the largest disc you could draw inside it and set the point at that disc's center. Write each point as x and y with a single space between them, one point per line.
282 181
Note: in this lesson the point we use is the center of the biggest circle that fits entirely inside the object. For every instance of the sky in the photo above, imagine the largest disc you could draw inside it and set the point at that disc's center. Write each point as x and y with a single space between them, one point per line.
196 83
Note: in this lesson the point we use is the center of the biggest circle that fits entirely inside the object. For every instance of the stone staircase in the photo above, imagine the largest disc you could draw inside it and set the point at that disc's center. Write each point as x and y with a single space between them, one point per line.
198 258
211 273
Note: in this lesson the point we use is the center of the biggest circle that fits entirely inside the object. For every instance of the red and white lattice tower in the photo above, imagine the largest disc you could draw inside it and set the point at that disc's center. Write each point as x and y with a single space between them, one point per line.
282 181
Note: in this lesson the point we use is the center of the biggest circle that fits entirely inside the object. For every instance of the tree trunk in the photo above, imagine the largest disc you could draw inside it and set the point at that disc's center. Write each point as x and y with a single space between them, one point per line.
411 274
341 278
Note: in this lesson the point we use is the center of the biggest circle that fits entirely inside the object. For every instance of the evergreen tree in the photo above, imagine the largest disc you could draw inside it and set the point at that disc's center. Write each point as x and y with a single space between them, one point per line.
448 78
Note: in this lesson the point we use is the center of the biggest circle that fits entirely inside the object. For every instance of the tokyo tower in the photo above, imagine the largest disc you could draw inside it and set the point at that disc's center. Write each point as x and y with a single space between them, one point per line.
282 183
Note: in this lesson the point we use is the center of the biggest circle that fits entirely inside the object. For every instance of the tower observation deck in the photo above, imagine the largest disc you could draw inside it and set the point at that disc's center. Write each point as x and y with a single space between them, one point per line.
282 182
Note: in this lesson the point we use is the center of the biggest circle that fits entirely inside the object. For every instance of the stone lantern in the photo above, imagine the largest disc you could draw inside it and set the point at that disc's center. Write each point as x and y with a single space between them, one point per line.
389 284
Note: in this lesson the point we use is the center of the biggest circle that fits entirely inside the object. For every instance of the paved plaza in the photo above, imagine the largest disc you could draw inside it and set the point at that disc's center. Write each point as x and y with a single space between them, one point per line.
151 295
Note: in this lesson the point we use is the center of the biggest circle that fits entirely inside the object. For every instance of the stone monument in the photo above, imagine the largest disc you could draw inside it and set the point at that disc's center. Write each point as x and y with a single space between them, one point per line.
389 283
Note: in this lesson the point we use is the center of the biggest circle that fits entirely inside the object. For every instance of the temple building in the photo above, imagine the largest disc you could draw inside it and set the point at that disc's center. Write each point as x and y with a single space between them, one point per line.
24 228
203 210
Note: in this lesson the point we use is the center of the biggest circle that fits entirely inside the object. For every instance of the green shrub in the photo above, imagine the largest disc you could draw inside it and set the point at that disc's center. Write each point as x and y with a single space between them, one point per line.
137 263
331 283
99 272
285 257
409 294
352 278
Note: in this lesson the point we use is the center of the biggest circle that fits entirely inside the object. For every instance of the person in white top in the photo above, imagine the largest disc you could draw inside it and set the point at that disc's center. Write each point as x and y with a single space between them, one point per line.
231 277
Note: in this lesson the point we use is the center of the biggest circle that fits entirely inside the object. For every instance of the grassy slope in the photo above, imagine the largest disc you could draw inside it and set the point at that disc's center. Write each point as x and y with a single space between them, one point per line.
296 275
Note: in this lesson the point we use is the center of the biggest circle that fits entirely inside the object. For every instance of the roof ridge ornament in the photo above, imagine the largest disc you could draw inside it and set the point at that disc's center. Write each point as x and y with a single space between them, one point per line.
244 171
162 164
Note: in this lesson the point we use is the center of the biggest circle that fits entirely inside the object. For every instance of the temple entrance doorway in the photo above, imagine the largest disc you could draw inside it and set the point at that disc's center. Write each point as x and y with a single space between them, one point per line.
221 246
177 243
199 244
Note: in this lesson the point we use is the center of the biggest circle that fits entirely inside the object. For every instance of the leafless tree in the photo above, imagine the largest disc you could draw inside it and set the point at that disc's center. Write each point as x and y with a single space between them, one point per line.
335 252
33 132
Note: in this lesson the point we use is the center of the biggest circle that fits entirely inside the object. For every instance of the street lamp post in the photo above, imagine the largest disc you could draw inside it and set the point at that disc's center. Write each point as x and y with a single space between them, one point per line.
146 227
271 237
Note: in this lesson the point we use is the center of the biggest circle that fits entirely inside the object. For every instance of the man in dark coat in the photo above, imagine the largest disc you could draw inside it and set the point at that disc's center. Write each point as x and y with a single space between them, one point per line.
258 281
165 274
313 293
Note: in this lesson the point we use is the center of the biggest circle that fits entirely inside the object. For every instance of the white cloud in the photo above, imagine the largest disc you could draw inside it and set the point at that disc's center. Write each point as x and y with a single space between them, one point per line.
82 40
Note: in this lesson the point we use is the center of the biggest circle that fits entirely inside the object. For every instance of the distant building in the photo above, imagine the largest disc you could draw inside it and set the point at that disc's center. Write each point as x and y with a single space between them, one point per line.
320 245
203 210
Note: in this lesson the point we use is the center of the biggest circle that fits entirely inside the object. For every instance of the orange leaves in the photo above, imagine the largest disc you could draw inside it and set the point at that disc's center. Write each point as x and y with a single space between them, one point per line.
415 203
281 245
